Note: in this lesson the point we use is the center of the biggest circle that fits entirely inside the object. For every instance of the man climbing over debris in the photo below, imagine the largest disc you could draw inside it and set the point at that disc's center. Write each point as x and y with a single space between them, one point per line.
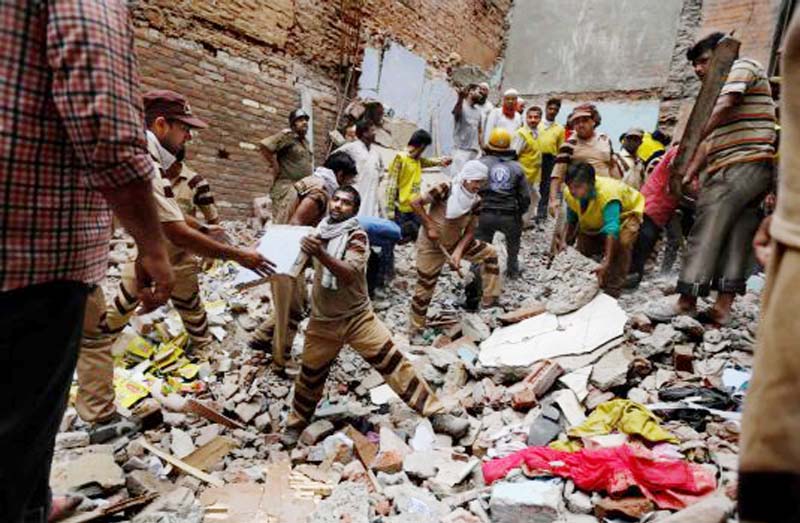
291 158
341 314
276 334
605 215
738 175
169 123
448 236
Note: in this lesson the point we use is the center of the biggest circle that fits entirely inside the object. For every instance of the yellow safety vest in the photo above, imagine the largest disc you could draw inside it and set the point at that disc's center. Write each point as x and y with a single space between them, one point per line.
649 146
531 157
606 190
551 138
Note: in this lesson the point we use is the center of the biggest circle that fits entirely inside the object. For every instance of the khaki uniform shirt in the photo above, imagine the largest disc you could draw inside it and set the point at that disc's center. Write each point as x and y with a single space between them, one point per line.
193 194
346 301
450 231
312 187
596 151
294 155
166 205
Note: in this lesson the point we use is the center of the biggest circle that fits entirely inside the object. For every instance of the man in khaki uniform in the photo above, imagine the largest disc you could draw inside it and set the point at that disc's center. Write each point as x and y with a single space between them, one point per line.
310 203
769 472
341 314
449 235
291 158
169 122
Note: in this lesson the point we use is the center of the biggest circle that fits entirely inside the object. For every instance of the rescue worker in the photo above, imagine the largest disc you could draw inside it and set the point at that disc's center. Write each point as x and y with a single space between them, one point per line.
341 314
604 214
448 236
311 194
628 161
550 137
529 154
291 158
169 123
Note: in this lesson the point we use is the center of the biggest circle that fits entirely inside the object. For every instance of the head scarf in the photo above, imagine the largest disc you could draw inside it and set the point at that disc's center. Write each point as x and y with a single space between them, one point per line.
328 178
336 234
461 201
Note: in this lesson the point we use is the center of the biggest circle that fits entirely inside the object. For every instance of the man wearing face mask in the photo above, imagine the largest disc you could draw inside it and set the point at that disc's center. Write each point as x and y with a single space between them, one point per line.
448 237
169 124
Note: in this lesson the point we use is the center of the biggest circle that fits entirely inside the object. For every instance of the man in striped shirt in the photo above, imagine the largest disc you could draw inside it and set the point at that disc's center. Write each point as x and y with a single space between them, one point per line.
738 155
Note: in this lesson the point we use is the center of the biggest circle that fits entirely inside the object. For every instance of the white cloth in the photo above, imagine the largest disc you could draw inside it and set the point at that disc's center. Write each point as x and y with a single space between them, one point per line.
632 169
461 201
460 157
336 234
165 158
496 118
370 168
328 178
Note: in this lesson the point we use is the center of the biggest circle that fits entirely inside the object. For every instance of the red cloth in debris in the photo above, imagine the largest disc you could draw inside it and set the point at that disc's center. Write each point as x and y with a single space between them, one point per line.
659 204
670 484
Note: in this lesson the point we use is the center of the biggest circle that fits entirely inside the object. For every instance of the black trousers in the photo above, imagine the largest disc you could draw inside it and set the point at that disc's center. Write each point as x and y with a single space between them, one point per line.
649 233
548 162
40 333
511 227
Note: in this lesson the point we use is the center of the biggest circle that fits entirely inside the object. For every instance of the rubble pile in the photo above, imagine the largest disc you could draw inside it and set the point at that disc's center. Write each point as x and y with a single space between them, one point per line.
579 408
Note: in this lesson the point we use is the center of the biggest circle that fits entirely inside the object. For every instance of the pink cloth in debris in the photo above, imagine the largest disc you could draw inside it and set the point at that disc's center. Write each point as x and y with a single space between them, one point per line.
670 484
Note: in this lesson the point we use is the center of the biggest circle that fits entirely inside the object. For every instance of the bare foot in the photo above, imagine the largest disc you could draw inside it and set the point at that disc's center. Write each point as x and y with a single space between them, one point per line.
62 507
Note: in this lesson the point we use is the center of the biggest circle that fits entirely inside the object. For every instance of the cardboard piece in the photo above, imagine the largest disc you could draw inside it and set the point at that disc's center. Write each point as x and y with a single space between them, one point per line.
281 245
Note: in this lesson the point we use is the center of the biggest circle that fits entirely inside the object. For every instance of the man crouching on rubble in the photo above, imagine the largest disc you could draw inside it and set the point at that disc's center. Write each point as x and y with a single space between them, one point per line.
604 214
341 314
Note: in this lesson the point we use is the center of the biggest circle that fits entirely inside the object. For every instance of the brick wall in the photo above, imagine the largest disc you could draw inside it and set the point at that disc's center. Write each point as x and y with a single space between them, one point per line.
752 20
242 64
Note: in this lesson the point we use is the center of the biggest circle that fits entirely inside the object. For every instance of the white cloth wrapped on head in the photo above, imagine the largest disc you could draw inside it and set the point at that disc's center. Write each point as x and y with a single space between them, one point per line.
461 201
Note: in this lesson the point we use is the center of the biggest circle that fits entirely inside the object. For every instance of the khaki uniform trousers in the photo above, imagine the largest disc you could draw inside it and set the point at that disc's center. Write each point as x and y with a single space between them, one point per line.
365 333
594 244
277 332
430 261
769 475
102 325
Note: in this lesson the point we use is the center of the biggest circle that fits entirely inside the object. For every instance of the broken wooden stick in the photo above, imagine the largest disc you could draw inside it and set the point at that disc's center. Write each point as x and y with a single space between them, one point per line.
722 60
180 464
204 411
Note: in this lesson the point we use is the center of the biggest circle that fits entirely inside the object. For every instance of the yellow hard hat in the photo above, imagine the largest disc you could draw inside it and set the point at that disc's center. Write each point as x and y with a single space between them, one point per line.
499 139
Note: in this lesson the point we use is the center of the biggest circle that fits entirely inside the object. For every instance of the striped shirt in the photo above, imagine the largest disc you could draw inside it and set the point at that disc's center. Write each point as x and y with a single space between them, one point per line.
596 151
193 193
748 135
71 124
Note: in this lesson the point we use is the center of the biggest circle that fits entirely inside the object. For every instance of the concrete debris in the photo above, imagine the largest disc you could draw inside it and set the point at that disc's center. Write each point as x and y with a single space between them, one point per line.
570 282
513 375
536 501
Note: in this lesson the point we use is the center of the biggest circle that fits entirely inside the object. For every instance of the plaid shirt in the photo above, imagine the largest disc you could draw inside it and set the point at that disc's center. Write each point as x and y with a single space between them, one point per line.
70 123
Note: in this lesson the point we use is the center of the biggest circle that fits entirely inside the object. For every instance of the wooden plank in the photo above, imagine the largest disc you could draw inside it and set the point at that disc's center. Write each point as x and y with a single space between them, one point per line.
114 508
211 453
180 464
722 59
524 313
204 411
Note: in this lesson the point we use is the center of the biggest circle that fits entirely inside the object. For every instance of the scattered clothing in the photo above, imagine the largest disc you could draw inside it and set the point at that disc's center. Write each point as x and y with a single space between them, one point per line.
624 416
670 484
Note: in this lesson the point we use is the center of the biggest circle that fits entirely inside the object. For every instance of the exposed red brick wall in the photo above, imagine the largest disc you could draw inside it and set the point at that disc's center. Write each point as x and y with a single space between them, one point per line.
241 64
752 20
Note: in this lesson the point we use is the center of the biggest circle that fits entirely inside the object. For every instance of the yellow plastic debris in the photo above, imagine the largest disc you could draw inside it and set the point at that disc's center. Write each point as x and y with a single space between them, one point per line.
128 391
624 416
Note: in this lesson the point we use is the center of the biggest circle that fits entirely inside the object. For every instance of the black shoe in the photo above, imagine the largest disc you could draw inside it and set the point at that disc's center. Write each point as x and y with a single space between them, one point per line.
112 428
260 345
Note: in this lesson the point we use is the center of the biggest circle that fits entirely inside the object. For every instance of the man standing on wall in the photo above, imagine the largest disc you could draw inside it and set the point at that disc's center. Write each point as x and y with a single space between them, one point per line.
468 115
739 156
291 158
71 146
551 136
